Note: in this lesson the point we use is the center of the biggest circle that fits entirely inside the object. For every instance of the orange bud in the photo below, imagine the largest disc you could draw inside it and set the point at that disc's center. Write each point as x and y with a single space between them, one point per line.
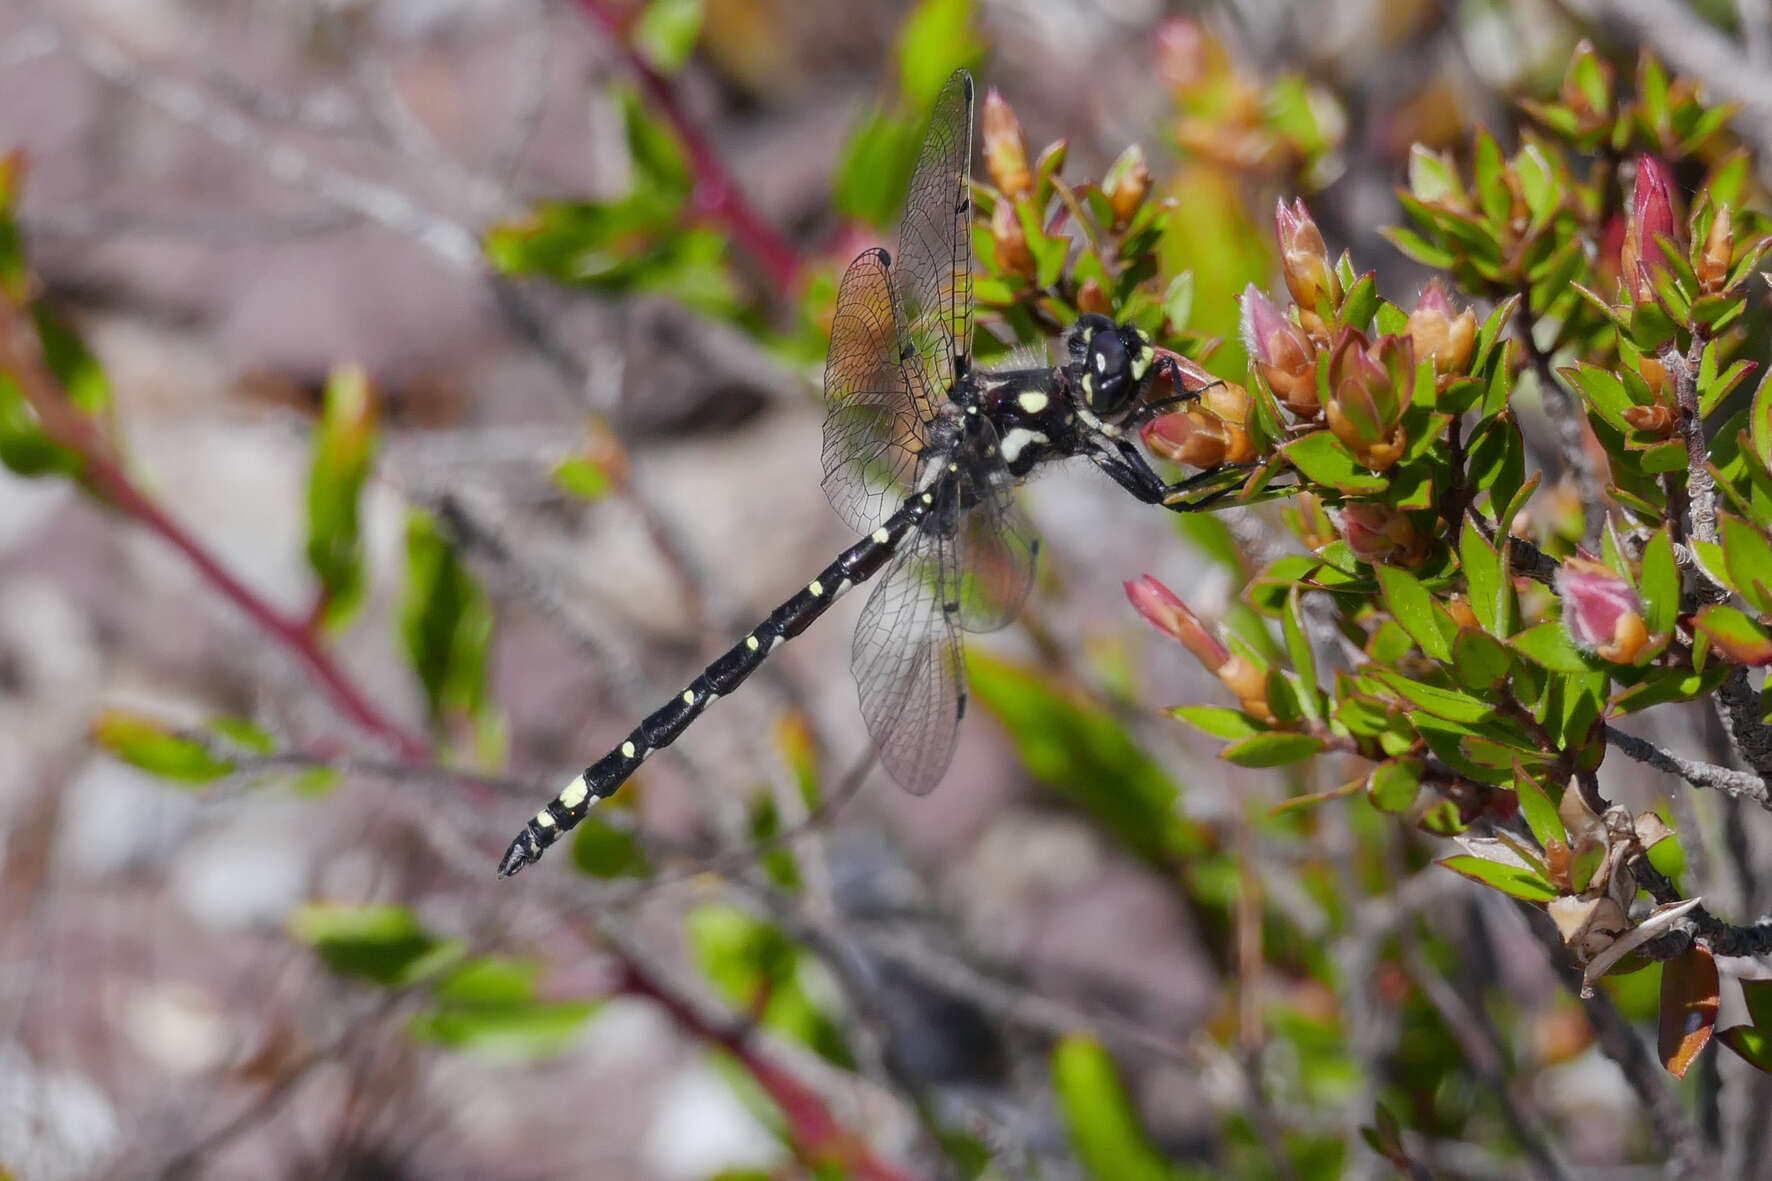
1436 332
1091 298
1013 255
1127 181
1719 250
1005 147
1248 681
1461 611
1303 256
1658 420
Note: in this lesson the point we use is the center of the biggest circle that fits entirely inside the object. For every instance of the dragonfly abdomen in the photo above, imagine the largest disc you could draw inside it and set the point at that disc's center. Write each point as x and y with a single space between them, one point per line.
664 725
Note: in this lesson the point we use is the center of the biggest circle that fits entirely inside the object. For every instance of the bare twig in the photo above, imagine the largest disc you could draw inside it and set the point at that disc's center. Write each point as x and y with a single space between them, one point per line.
1701 486
1481 1043
1687 1154
1742 785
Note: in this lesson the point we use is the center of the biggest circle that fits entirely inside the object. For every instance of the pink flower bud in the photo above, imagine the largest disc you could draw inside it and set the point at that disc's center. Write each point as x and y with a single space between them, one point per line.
1283 353
1245 678
1303 256
1379 534
1165 610
1601 610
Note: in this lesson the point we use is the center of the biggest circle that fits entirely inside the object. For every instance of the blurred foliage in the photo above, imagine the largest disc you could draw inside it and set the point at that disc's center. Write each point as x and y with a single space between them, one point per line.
1466 599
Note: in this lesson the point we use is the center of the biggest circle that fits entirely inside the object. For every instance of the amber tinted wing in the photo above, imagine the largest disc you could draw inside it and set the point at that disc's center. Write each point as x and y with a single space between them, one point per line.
876 423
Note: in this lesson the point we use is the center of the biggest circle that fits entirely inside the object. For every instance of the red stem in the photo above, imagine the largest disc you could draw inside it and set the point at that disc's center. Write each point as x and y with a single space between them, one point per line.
294 634
716 194
819 1139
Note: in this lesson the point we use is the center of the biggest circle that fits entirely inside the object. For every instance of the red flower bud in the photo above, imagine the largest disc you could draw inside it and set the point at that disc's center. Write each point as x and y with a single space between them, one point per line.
1601 610
1651 216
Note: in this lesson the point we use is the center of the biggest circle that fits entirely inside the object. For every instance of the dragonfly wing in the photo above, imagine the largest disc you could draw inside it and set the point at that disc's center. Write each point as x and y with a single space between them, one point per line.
932 277
995 551
874 428
907 665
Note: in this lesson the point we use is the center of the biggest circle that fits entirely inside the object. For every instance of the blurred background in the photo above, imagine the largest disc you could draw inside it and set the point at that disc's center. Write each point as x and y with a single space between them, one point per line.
556 277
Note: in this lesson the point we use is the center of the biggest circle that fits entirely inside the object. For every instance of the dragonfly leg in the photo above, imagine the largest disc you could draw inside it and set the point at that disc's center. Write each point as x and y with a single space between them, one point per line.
1129 470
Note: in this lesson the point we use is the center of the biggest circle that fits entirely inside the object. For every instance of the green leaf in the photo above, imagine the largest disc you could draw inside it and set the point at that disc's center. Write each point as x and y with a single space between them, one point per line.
1449 704
1548 645
583 478
1275 748
381 943
1741 639
70 362
1758 995
1482 574
604 851
1412 607
1304 659
1218 721
1541 814
1084 753
344 452
1514 880
753 963
243 734
1393 784
1748 556
1760 422
488 1006
1752 1044
1659 584
936 40
147 743
1323 460
666 32
875 170
446 622
1104 1127
1480 662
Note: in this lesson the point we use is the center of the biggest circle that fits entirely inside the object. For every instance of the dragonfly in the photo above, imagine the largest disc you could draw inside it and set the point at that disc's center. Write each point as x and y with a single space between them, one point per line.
923 451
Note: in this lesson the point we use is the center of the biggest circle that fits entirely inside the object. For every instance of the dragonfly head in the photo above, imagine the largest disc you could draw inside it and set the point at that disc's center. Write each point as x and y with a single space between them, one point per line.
1114 360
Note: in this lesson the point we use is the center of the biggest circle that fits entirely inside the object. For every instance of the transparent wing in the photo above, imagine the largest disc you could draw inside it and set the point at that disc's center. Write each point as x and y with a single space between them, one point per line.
907 665
933 275
994 553
875 426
